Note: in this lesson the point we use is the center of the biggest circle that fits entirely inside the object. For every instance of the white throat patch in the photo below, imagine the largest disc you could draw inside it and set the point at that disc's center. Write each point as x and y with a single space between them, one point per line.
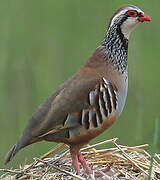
128 26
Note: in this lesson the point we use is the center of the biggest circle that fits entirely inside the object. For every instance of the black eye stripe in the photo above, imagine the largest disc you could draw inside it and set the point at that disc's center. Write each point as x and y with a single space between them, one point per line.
139 14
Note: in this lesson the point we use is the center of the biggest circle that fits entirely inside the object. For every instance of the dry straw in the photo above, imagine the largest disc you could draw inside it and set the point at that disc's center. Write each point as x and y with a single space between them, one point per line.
120 162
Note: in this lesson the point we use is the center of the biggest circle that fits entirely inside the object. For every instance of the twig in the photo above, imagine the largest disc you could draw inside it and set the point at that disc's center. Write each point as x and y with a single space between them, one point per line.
124 161
99 144
59 169
125 148
10 171
18 172
153 159
130 159
53 150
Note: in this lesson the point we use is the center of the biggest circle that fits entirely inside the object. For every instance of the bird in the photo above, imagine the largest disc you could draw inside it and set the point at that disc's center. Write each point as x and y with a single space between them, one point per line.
89 102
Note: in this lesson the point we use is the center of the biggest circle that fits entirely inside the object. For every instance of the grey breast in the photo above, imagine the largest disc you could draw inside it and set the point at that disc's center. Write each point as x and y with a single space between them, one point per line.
122 95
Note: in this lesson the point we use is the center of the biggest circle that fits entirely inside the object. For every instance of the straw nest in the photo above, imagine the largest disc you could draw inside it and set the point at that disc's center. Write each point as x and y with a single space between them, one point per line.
120 162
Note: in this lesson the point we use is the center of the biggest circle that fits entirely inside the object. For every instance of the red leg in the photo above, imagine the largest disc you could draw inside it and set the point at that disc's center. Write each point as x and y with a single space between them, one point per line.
84 163
75 162
78 157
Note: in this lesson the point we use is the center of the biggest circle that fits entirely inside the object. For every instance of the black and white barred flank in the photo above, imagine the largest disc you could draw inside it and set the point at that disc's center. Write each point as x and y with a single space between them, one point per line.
102 102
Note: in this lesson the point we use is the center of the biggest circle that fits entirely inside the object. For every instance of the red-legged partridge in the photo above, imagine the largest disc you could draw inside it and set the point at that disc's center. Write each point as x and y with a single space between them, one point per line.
90 102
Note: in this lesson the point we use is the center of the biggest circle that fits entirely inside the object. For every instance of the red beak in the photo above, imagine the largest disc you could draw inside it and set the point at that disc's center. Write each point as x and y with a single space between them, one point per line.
144 17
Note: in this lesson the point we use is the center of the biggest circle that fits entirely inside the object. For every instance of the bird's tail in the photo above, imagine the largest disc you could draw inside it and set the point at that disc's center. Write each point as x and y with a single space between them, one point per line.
11 153
19 145
22 142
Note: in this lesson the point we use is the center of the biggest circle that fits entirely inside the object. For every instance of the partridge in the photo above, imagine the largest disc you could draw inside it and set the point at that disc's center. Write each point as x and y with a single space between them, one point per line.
91 101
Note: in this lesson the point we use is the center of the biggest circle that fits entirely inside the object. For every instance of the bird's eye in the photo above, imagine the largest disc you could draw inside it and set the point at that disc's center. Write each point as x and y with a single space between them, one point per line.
132 13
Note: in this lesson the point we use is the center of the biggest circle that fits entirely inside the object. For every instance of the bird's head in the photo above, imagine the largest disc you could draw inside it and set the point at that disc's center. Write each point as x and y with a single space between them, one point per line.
127 17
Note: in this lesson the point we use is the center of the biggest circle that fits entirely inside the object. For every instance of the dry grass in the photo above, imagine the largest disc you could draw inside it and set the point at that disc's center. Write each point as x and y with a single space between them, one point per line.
120 162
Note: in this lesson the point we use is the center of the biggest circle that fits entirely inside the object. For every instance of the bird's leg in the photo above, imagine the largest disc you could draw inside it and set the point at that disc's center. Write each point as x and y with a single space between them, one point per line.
75 162
84 163
88 168
78 157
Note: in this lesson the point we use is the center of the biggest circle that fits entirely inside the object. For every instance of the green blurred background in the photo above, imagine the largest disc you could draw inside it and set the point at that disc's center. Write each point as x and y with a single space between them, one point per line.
43 43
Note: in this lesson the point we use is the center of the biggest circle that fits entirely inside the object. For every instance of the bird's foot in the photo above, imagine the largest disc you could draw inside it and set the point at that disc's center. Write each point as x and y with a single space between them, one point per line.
84 163
75 163
76 158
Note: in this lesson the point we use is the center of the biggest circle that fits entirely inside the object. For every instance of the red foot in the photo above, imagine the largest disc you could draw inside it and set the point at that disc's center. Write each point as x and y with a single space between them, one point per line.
84 163
75 163
76 158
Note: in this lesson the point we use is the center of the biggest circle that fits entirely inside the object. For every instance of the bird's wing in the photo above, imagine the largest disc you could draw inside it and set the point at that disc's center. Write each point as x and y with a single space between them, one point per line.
70 100
83 104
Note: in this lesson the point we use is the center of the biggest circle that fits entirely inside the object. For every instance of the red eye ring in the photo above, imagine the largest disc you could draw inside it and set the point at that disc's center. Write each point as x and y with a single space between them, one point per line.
132 13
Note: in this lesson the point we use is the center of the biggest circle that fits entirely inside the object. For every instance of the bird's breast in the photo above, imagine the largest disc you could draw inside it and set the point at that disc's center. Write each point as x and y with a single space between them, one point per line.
121 96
